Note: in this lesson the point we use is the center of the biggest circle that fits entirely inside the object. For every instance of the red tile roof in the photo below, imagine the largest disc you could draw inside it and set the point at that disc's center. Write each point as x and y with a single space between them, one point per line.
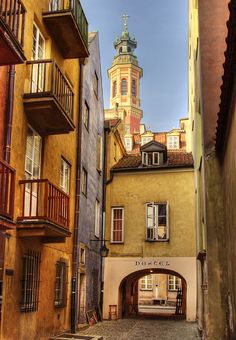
174 159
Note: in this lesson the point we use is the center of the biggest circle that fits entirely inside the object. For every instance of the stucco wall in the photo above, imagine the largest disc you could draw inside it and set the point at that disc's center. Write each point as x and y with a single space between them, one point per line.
48 320
133 191
89 162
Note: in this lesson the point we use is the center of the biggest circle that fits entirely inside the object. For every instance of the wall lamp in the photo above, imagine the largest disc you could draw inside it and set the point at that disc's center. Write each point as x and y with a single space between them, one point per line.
103 250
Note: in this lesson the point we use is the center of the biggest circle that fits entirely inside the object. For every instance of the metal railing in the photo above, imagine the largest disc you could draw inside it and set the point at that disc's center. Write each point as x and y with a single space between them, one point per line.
12 13
42 200
75 7
47 78
7 190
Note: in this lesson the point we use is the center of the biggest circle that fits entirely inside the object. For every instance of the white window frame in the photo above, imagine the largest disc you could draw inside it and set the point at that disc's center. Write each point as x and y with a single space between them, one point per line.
97 218
153 158
174 283
144 158
99 152
38 70
128 143
112 224
145 281
146 139
64 180
171 141
154 227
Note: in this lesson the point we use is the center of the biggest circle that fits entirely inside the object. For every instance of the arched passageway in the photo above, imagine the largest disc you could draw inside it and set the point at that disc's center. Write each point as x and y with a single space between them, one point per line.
120 272
153 292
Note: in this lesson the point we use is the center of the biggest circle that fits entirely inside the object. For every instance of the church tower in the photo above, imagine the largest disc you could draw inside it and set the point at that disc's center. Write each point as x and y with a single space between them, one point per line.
124 76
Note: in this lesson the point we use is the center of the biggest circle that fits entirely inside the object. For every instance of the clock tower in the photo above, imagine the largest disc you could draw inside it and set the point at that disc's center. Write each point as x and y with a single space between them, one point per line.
124 76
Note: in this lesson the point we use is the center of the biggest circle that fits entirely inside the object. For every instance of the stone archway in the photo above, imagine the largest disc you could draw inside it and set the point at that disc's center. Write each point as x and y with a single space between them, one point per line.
128 291
119 268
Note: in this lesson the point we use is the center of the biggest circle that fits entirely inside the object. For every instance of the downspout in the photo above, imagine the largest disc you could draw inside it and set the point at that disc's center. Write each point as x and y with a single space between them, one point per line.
75 255
9 114
103 210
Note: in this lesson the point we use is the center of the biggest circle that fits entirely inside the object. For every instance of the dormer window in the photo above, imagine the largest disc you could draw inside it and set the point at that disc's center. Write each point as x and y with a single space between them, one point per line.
150 158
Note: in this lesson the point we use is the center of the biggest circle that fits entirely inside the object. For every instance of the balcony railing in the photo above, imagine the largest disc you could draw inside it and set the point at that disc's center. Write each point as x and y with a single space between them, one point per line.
75 7
46 78
12 14
7 189
43 201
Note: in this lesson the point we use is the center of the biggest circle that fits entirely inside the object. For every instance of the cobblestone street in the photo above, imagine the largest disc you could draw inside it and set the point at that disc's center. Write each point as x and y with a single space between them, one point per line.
142 329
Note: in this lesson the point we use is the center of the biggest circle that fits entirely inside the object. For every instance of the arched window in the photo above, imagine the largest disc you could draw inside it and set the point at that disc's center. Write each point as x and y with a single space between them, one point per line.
134 90
123 87
114 88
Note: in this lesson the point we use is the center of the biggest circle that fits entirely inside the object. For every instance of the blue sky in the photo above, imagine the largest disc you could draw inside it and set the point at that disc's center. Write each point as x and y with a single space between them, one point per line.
160 28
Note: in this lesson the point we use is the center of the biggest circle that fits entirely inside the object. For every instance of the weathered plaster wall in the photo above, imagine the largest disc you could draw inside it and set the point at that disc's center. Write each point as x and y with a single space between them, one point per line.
229 185
133 191
95 178
48 320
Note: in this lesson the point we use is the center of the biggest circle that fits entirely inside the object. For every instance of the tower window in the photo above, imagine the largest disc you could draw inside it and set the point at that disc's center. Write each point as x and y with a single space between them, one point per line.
123 87
134 92
120 50
128 49
114 88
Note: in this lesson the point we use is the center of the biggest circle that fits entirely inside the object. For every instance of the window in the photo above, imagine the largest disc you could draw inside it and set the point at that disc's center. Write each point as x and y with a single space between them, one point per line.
97 219
84 181
146 282
114 88
174 282
82 255
173 142
95 84
117 225
86 115
133 88
128 144
99 152
123 87
157 224
146 140
65 176
61 283
150 158
38 53
32 170
30 281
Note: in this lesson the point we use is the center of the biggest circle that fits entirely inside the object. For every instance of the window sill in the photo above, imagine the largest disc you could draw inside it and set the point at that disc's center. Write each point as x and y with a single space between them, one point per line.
147 240
116 242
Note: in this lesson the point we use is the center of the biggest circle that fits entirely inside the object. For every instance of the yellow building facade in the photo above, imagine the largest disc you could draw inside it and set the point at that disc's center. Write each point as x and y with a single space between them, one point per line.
141 240
37 268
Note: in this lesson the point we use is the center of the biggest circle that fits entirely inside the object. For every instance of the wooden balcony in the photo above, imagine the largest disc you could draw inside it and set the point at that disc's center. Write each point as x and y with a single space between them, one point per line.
7 189
12 25
45 211
49 100
68 26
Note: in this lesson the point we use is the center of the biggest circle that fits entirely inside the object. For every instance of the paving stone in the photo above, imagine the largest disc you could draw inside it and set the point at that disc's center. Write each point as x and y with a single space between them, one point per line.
142 329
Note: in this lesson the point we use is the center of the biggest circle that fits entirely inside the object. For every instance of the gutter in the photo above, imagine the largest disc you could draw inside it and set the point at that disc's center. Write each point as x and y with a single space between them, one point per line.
75 254
150 169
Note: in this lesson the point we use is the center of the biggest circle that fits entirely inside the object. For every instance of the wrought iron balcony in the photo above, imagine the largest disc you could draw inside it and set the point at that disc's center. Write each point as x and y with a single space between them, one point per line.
12 26
68 25
7 189
49 101
45 211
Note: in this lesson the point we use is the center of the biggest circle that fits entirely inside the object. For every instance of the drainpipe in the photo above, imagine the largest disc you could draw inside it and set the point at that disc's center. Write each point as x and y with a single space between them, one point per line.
9 114
75 255
106 130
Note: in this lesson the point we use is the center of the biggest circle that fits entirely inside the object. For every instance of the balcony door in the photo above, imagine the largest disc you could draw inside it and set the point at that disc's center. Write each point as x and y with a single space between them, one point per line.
38 53
32 171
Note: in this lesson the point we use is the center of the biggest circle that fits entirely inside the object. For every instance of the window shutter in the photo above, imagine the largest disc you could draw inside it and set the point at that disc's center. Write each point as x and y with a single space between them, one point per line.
150 221
167 220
